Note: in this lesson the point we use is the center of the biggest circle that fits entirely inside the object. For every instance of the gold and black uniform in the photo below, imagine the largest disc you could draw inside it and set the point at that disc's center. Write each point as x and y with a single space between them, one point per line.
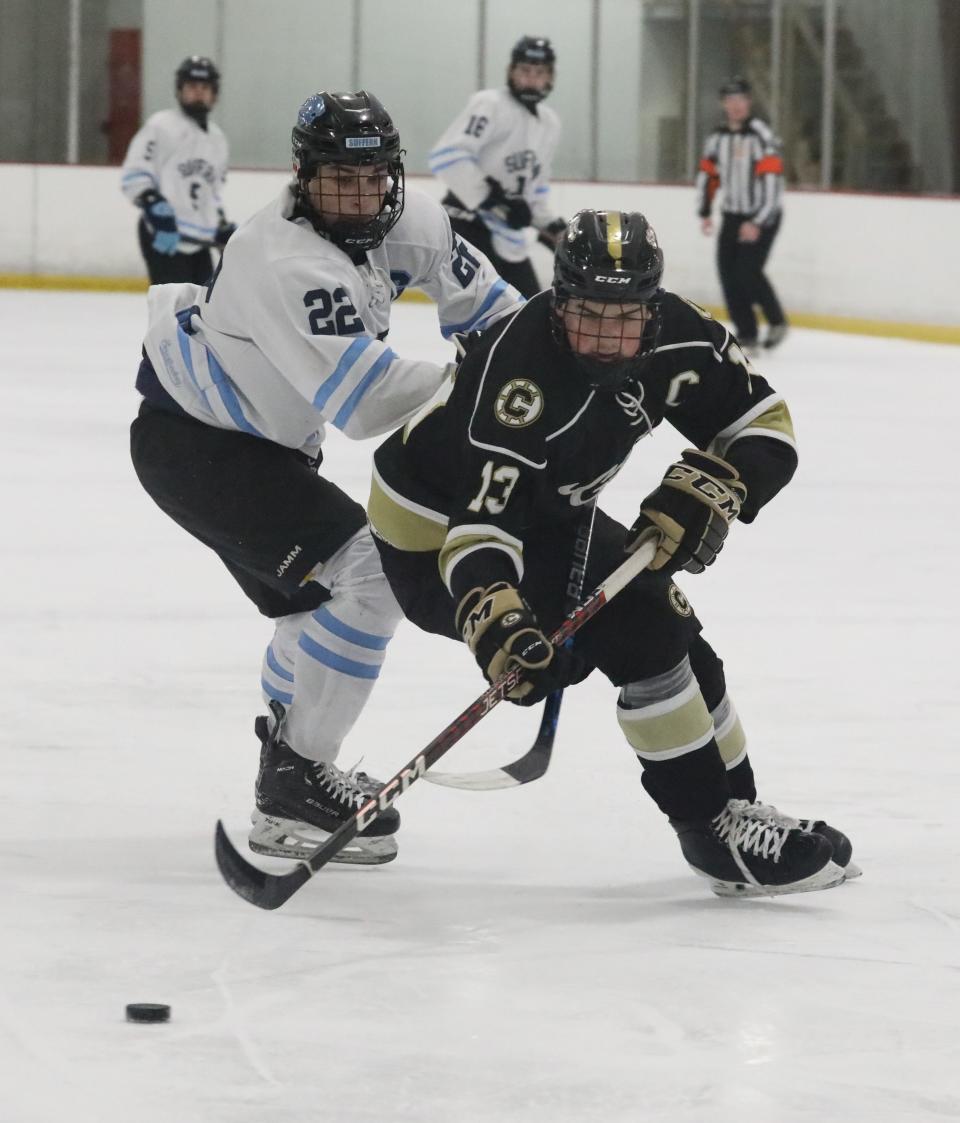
488 482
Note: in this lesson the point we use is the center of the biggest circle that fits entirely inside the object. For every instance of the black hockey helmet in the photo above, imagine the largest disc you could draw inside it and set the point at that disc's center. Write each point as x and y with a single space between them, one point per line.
198 68
736 85
609 257
344 128
534 49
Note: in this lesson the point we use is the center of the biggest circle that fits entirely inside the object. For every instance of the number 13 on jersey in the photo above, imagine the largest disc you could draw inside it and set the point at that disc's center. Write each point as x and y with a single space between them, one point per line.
502 480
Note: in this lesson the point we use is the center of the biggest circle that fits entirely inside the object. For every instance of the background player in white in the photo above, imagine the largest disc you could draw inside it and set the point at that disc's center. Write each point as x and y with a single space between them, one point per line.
174 169
496 159
239 380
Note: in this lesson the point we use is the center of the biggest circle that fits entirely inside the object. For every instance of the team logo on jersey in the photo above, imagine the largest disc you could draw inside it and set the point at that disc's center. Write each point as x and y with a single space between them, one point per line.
678 602
519 403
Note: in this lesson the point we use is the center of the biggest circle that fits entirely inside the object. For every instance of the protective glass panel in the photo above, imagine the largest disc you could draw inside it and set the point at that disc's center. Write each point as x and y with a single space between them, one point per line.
734 41
661 121
568 24
422 64
896 110
273 57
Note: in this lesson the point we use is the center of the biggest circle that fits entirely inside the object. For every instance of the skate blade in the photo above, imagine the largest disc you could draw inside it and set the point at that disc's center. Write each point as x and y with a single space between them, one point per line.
287 838
852 870
830 876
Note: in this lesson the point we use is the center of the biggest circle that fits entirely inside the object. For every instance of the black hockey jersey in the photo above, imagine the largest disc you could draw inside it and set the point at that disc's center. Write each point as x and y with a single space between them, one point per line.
519 440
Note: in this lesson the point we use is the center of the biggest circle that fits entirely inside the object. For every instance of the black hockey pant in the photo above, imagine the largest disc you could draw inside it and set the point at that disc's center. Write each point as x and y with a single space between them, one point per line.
644 633
166 269
262 508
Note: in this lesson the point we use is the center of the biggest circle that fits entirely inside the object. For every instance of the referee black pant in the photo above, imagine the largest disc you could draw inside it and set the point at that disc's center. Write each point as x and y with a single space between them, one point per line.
744 282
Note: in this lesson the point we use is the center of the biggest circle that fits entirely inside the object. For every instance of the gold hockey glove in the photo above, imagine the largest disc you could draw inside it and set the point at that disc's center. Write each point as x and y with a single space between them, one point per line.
502 632
690 512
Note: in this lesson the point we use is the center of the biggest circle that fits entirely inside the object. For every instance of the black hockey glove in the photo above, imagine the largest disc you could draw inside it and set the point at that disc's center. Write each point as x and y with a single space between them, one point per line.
161 220
690 512
503 633
224 231
550 235
513 209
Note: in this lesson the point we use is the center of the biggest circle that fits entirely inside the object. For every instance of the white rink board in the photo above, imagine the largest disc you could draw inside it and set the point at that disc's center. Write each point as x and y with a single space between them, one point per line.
534 956
875 257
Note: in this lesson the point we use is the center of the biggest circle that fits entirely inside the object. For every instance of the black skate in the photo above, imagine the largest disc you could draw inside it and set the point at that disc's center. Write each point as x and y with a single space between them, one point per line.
752 850
301 802
842 846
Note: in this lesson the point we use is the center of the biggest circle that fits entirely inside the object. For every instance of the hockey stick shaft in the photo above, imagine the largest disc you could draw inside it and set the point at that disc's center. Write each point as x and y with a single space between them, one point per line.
536 760
269 891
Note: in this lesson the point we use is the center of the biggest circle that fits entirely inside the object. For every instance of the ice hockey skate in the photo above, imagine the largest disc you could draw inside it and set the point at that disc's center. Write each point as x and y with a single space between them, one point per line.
776 334
842 847
752 850
301 802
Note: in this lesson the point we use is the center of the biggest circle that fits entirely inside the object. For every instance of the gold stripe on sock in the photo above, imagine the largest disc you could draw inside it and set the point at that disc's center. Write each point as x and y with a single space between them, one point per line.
659 733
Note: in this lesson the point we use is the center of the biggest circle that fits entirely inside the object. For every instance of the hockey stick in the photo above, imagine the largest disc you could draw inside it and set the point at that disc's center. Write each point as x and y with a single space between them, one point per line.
270 891
536 760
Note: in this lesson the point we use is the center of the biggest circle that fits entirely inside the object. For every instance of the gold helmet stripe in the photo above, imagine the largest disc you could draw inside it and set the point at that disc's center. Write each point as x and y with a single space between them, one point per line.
614 235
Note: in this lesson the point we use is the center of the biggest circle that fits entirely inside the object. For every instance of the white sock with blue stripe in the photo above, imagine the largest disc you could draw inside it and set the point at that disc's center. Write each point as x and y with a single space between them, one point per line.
322 665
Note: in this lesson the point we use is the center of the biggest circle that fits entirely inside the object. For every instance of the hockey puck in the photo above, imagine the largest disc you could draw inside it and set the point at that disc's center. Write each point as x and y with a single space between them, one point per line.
147 1012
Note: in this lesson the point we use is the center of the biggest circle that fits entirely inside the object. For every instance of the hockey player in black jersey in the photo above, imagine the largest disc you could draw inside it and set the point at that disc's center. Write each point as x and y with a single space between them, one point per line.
475 509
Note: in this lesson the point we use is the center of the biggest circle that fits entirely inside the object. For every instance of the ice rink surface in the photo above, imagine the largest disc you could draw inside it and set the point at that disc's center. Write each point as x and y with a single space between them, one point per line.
540 955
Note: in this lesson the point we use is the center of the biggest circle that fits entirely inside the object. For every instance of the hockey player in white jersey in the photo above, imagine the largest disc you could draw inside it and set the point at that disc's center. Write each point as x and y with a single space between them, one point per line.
239 380
496 159
174 170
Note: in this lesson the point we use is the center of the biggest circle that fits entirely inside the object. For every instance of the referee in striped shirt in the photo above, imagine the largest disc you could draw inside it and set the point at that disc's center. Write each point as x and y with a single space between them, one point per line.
742 158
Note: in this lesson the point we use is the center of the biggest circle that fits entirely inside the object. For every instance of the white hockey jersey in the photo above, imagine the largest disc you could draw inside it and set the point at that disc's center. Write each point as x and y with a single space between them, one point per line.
288 334
499 137
173 155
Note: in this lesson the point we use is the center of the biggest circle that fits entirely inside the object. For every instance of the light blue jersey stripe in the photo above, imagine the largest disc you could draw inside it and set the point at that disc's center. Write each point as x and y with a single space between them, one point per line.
450 163
194 226
492 297
325 618
347 359
337 662
345 412
278 695
276 668
183 340
229 397
443 151
502 230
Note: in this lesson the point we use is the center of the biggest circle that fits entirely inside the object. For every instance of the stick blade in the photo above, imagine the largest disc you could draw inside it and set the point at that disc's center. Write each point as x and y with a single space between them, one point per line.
490 781
531 766
265 890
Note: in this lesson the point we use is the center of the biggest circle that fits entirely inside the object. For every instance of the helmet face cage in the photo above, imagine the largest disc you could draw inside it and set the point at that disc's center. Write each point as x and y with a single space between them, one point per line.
346 153
606 295
198 68
536 50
